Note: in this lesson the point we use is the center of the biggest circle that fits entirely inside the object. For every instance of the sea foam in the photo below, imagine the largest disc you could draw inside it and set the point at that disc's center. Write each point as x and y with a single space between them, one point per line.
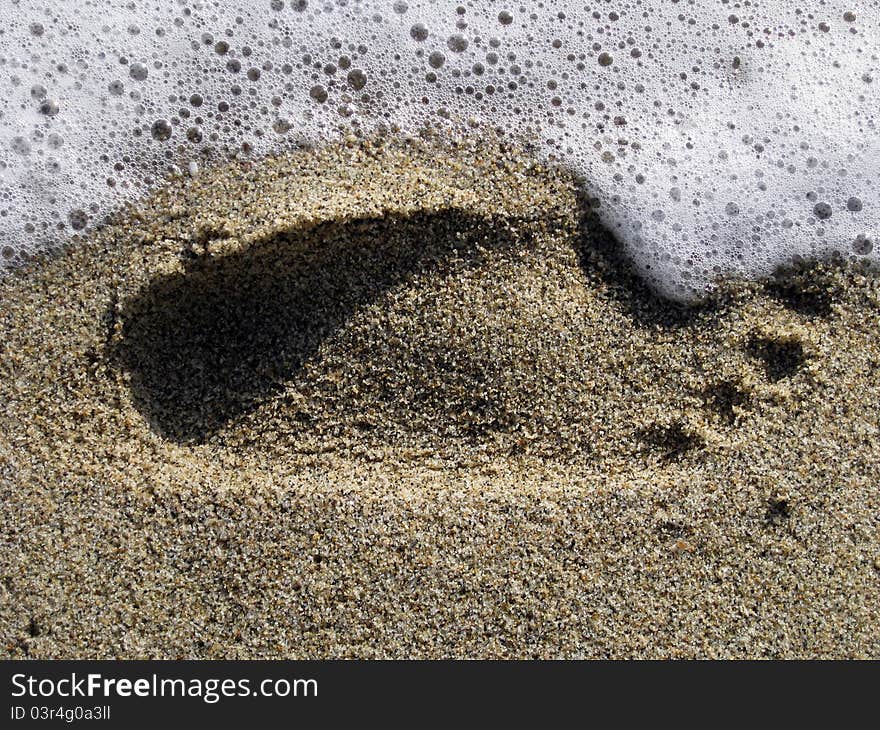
713 137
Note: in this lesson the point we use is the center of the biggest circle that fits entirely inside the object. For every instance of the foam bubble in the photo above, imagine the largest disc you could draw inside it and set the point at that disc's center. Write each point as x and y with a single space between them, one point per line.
716 137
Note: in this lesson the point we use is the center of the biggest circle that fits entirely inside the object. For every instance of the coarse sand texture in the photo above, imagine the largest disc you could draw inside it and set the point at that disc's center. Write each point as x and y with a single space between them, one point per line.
404 400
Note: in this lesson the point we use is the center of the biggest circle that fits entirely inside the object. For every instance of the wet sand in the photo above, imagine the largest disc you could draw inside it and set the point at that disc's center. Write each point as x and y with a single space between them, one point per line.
403 400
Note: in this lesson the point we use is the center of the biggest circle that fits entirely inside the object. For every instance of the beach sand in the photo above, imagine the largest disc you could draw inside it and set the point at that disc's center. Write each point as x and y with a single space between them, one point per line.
404 400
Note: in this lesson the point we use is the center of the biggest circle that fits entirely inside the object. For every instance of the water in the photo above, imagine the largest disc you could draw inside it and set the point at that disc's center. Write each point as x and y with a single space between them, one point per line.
715 138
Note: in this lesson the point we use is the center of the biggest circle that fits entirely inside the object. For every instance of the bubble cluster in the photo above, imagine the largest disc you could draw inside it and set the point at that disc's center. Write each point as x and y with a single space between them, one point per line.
713 138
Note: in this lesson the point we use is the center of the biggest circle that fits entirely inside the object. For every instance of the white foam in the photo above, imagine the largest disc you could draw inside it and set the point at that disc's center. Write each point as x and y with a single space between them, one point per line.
717 135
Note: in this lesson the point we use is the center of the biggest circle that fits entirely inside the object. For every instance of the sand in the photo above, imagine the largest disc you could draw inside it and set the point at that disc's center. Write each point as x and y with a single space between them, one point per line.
404 400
